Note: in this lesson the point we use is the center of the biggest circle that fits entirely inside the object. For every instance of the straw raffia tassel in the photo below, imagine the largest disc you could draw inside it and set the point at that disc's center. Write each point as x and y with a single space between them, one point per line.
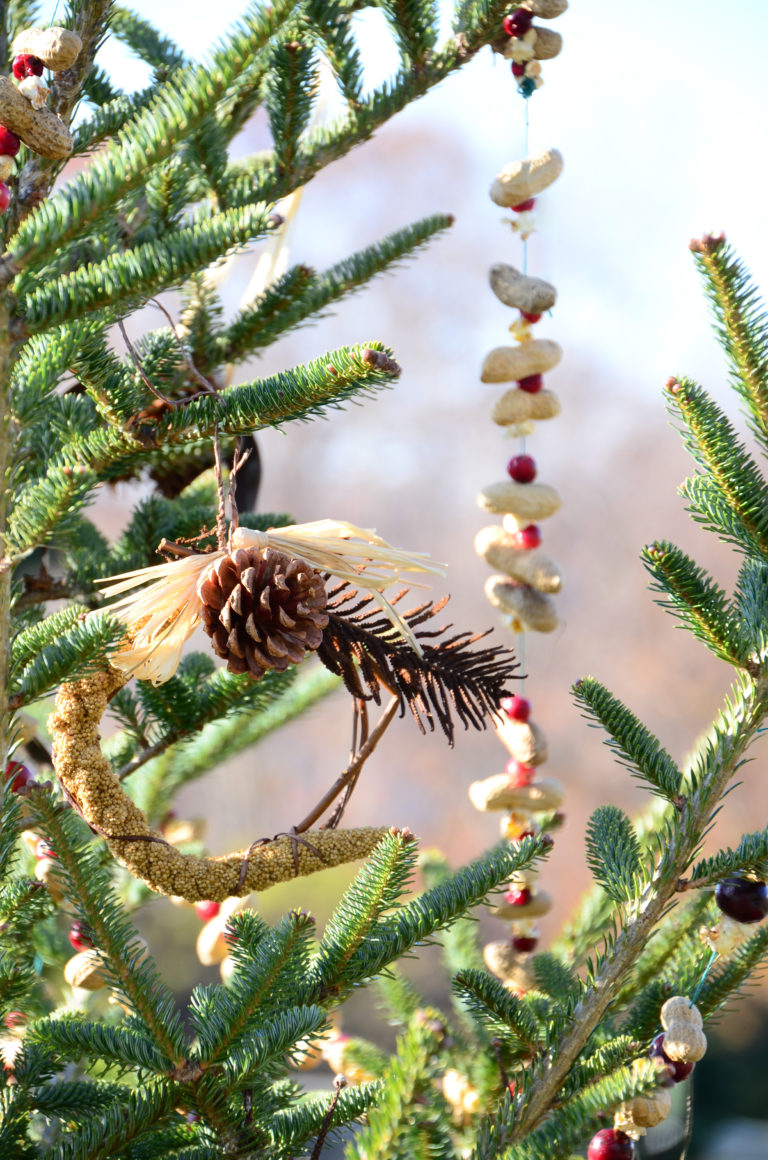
162 616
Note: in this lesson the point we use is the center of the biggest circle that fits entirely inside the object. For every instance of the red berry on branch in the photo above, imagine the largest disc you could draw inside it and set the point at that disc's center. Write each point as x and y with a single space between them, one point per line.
522 468
610 1145
518 896
519 774
16 774
524 943
80 936
518 23
677 1069
207 910
529 317
9 142
742 899
527 537
518 70
26 65
531 383
517 708
524 206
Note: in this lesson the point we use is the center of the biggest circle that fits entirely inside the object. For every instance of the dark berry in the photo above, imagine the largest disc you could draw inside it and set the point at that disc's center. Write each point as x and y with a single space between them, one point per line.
16 774
522 468
518 896
80 936
527 537
531 383
529 317
525 943
9 142
742 899
517 708
610 1145
518 70
677 1069
519 774
524 206
206 910
26 65
518 23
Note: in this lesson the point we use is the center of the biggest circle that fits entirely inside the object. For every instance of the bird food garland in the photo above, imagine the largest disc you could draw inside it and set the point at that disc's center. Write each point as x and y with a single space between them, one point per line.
525 578
23 113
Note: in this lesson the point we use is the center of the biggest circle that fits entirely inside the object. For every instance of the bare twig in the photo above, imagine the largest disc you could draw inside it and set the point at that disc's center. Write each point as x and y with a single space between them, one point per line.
339 1083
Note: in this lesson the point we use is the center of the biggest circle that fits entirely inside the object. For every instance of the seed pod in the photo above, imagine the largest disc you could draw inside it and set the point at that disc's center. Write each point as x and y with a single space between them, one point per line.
506 364
684 1042
38 128
533 609
82 970
533 295
548 44
532 567
538 904
57 48
524 740
679 1009
513 404
546 9
523 179
528 501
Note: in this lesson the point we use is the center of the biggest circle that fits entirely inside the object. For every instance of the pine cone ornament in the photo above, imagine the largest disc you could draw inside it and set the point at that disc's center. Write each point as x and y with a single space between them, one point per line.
262 609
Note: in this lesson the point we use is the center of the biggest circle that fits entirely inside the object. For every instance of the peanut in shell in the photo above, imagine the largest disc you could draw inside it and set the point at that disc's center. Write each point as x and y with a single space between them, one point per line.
83 970
679 1009
38 128
520 180
528 501
506 364
547 9
524 740
534 610
533 295
529 566
648 1111
548 44
497 793
57 48
684 1042
516 406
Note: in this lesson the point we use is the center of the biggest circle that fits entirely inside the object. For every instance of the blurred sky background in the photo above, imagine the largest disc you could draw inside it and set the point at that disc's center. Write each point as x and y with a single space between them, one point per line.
660 113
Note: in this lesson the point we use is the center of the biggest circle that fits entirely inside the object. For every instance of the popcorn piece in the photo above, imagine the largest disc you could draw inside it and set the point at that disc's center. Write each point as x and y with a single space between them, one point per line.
35 90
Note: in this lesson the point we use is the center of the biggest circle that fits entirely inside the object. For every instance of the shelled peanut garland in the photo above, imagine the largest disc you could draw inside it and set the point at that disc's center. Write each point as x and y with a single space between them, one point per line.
525 579
23 115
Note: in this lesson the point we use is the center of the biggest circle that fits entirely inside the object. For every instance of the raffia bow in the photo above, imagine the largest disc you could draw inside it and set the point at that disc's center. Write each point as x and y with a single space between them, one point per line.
164 614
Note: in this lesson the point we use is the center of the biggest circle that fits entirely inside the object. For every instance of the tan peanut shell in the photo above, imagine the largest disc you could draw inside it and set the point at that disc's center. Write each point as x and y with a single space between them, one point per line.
45 871
679 1009
500 957
505 364
535 610
38 128
538 904
533 295
525 741
548 43
82 970
648 1111
547 9
497 547
57 48
684 1042
514 403
520 180
496 793
529 501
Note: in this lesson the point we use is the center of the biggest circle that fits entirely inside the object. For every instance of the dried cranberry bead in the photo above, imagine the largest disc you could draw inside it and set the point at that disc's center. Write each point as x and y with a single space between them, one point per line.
522 468
16 774
9 142
14 1019
518 896
677 1069
529 317
742 899
26 65
524 206
518 70
517 708
518 23
531 383
524 943
80 936
206 910
610 1145
527 537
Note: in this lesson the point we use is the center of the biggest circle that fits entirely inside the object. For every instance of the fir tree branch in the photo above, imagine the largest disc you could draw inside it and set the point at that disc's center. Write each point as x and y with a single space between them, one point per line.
159 51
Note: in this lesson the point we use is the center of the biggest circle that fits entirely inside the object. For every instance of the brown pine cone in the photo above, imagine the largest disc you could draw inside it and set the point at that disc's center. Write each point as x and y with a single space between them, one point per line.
263 610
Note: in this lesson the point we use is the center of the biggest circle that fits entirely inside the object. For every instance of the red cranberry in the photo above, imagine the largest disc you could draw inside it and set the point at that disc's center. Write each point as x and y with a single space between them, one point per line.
522 468
531 383
14 1019
517 708
518 896
610 1145
5 197
529 317
206 910
518 23
677 1069
527 537
16 774
519 774
742 899
26 65
80 936
9 142
524 206
518 70
525 943
43 849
